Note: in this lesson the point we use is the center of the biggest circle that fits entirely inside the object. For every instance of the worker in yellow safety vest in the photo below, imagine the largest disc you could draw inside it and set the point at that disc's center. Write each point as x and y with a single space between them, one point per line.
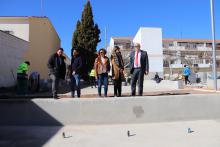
92 76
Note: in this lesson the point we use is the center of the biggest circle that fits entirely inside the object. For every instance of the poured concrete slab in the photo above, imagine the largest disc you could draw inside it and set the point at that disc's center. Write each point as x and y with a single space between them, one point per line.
205 133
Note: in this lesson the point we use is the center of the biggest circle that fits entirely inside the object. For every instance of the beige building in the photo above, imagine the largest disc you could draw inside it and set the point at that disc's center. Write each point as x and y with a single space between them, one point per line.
41 35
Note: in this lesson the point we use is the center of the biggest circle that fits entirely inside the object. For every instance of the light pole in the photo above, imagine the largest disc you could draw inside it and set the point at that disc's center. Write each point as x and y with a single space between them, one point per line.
213 46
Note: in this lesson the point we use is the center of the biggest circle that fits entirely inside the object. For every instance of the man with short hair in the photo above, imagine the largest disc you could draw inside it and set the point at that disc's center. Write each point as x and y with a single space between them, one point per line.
57 69
22 78
138 67
76 67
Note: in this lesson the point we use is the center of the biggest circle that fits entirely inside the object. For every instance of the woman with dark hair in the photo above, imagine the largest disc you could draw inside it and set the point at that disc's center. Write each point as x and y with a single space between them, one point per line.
102 68
117 70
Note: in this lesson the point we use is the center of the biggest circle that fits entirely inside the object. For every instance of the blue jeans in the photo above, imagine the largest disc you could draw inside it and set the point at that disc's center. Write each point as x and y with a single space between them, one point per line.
103 78
75 85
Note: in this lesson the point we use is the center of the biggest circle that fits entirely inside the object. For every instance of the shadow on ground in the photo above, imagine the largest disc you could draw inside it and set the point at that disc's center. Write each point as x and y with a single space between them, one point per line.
18 126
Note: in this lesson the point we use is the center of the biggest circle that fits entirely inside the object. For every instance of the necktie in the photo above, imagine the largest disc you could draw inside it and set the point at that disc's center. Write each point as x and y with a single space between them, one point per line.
136 59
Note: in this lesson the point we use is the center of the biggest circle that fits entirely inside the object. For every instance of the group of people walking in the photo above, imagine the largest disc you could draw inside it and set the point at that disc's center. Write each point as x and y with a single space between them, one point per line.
100 72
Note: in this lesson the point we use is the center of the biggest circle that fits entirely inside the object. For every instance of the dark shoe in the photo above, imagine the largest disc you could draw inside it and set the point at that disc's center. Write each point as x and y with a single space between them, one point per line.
72 94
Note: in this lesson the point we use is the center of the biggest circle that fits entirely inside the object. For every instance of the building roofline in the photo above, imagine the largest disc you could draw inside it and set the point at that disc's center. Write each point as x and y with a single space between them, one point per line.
21 17
122 37
28 17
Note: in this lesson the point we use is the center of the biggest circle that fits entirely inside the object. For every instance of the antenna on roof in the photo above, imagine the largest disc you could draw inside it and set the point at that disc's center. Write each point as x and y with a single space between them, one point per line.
41 7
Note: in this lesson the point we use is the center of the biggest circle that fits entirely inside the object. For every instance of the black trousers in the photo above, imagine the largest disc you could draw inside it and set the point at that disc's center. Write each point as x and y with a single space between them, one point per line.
92 81
137 75
187 80
22 85
117 86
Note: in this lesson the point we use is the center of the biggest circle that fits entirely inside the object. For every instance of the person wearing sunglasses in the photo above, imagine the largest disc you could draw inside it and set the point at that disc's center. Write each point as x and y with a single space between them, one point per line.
102 68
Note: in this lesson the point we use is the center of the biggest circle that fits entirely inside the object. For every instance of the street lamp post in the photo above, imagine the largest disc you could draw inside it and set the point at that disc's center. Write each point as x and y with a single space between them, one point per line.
213 46
106 38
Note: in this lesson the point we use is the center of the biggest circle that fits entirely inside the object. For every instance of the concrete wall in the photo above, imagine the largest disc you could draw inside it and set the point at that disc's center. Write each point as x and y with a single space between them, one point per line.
12 50
210 83
19 26
44 41
110 110
151 41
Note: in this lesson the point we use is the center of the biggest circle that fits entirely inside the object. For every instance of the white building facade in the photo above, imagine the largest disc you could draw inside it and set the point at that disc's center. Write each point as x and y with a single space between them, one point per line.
151 41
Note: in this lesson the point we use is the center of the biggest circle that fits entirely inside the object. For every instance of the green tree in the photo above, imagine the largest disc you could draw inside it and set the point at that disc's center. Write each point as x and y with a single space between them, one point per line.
76 37
86 37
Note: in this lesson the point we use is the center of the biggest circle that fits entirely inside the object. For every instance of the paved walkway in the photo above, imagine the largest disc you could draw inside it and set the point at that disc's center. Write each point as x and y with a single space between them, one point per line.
149 90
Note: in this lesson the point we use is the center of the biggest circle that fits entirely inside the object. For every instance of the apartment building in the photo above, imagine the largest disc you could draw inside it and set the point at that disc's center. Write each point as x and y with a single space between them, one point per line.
194 52
176 52
125 44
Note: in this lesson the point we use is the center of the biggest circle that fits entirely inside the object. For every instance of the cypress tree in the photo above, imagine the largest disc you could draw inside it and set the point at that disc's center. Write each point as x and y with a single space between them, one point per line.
86 37
76 36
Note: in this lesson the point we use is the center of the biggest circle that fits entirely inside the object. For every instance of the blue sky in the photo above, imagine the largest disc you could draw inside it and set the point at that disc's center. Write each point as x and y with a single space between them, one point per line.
177 18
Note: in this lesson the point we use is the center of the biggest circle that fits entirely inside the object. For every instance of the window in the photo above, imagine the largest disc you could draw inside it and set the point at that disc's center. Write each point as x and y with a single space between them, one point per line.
194 46
195 65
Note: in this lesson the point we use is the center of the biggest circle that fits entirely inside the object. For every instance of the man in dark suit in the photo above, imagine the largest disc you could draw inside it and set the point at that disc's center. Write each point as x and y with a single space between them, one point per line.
139 67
